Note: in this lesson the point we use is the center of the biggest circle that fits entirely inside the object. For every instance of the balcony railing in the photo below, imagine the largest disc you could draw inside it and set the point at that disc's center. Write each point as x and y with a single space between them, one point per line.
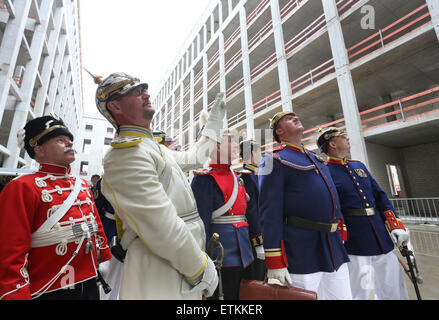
401 110
291 6
326 69
409 23
344 6
414 106
259 8
417 210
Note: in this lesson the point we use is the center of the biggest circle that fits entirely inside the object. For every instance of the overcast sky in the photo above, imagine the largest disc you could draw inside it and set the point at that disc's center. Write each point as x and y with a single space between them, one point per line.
139 37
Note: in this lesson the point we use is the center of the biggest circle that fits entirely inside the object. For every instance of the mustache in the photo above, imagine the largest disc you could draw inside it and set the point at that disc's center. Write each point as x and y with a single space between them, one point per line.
69 149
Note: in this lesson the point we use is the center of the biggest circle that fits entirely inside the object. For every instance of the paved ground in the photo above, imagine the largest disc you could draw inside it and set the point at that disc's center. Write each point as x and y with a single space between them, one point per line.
425 241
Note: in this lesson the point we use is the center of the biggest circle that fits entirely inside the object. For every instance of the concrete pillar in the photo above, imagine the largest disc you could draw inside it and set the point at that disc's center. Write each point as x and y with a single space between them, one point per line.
282 65
62 80
192 54
180 120
248 97
192 125
204 36
172 115
212 26
40 100
345 83
9 49
433 7
165 120
205 96
56 71
22 108
222 59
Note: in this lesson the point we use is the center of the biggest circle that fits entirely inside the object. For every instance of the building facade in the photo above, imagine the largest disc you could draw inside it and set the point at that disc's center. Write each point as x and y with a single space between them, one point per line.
40 70
94 140
369 66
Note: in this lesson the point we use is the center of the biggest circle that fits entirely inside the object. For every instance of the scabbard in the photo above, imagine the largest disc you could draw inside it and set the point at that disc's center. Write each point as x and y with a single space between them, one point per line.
406 253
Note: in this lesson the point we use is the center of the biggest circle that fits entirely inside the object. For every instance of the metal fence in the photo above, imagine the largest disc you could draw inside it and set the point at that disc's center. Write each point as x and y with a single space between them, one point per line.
417 210
425 242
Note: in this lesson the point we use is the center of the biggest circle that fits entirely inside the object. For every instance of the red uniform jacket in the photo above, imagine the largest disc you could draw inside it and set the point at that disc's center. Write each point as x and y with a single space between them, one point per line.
25 203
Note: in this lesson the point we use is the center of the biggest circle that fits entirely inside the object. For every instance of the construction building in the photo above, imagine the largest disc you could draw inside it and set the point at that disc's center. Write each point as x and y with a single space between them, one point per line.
371 67
40 71
94 139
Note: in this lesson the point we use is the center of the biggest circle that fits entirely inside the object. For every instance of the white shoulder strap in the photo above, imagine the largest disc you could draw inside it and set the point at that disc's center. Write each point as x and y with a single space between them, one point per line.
226 207
62 210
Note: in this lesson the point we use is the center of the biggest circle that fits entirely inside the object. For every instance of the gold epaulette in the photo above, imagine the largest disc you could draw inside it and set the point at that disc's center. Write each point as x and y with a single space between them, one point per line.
125 142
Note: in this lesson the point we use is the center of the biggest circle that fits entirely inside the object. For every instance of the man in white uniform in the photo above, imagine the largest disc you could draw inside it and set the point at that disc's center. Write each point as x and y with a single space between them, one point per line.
144 182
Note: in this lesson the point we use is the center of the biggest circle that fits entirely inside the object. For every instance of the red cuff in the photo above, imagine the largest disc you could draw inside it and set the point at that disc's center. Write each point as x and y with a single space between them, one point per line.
392 222
276 258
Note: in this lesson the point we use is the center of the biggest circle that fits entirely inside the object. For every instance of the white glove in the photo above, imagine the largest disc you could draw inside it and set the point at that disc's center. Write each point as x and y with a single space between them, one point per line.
281 275
215 122
260 253
206 282
104 268
400 237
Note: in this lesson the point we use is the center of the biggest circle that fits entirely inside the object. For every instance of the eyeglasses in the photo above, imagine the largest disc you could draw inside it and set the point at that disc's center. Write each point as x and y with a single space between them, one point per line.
138 91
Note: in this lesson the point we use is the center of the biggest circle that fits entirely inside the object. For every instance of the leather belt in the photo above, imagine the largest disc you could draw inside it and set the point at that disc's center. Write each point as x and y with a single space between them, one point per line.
358 212
312 225
229 219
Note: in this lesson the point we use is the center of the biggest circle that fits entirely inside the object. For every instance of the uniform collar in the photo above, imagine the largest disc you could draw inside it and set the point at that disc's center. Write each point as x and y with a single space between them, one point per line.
135 131
54 169
251 167
336 160
294 147
220 166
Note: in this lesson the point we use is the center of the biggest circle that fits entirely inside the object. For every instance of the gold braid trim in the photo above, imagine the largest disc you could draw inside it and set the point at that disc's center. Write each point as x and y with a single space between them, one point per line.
33 141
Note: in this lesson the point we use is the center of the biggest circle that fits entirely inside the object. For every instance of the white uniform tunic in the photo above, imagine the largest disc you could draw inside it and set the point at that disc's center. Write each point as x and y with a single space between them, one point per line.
167 248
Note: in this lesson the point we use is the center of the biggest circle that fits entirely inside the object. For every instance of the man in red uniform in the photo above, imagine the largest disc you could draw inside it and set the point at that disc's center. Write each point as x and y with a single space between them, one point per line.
50 232
226 209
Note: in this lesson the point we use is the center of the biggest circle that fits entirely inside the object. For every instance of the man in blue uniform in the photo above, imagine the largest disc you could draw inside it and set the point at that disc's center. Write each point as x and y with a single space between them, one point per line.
111 270
370 217
250 153
222 205
301 215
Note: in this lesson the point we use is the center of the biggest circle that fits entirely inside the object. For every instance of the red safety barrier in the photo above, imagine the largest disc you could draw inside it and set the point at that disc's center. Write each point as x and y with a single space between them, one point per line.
382 38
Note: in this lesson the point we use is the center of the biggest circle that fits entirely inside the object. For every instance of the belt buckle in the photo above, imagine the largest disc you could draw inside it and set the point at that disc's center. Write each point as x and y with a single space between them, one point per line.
334 227
370 211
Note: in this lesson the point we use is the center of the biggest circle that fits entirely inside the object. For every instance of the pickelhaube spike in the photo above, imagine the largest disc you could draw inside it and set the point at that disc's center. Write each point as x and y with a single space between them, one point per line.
97 79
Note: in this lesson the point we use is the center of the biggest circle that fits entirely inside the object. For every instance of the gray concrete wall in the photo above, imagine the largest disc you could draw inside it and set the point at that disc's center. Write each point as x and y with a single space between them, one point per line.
422 170
418 168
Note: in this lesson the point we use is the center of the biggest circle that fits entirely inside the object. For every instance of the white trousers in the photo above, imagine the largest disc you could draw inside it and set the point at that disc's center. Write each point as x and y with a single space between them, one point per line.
112 277
328 285
381 273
